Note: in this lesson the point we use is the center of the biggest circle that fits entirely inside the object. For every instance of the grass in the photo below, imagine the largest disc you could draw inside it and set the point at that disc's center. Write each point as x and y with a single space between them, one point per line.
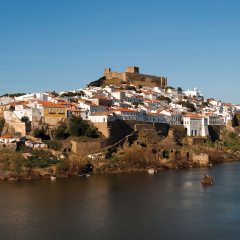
114 81
53 144
88 139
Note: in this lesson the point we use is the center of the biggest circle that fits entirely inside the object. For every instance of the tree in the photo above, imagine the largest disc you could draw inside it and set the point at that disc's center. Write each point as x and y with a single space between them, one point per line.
164 98
78 127
61 132
179 89
204 104
187 105
136 104
38 133
232 135
54 94
81 93
2 122
25 119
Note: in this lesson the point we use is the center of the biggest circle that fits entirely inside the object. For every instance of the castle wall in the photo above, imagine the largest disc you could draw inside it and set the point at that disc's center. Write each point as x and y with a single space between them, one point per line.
87 147
132 75
21 127
116 130
202 158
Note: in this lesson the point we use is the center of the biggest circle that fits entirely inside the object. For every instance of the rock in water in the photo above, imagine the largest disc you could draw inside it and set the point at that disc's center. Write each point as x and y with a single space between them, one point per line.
207 180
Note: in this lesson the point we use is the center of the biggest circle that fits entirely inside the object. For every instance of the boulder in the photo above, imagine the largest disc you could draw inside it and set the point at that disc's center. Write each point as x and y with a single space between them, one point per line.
207 180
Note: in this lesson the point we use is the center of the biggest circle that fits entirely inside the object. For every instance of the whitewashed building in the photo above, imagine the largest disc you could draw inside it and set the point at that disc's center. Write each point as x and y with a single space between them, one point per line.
195 125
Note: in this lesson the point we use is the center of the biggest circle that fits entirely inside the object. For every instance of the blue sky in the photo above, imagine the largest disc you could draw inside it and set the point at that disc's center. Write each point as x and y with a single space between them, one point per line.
63 45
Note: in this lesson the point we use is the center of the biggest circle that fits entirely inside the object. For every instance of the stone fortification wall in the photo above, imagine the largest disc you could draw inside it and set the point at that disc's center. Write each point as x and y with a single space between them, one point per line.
119 129
87 147
38 121
202 159
196 140
132 75
103 128
215 131
21 127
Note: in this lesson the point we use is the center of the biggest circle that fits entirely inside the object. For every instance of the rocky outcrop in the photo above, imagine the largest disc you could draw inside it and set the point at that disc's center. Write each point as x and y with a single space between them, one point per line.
207 180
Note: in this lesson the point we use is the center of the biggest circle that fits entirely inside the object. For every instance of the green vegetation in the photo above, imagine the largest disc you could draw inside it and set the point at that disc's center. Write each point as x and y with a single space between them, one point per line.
71 94
232 136
41 159
61 132
114 81
78 127
25 119
12 108
13 95
54 94
164 98
179 89
38 133
187 104
53 144
2 122
72 166
135 104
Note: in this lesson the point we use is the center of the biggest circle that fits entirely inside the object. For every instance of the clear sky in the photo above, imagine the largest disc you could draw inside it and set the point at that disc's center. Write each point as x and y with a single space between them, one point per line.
62 45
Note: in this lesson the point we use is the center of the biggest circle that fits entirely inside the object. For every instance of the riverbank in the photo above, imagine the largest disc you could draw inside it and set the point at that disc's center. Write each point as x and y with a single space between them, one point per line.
75 165
133 156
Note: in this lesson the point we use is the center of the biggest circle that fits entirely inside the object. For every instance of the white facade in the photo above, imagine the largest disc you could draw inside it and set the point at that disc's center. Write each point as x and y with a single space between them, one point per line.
195 125
193 93
33 96
6 100
103 117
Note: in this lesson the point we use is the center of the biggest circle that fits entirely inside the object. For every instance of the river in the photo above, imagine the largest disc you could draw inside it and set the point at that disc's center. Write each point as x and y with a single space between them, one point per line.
167 205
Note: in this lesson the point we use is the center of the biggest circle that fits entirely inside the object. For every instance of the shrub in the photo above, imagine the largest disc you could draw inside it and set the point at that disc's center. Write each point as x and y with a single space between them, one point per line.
55 145
78 127
11 108
38 133
25 119
73 166
232 135
164 98
2 122
61 132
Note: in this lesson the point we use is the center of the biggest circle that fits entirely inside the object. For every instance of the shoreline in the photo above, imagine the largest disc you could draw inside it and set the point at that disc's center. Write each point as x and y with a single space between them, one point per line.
66 174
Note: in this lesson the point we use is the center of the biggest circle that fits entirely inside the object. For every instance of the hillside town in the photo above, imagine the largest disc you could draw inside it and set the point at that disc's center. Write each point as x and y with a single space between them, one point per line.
108 103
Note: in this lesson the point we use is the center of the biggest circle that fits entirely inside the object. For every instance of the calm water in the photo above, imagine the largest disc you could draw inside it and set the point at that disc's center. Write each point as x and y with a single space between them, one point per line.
168 205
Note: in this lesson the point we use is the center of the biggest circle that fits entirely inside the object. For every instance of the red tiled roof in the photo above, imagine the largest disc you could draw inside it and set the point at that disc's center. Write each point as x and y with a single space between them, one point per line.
7 136
123 110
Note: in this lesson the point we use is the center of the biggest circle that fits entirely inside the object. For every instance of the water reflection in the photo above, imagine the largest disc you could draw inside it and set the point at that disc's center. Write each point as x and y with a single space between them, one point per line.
170 204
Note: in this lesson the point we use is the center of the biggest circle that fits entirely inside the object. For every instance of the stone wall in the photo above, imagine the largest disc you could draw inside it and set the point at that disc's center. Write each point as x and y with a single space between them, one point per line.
215 131
195 140
87 147
21 127
202 159
132 75
118 129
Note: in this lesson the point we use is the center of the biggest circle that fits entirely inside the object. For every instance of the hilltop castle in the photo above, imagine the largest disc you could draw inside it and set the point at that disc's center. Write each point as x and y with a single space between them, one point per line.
132 75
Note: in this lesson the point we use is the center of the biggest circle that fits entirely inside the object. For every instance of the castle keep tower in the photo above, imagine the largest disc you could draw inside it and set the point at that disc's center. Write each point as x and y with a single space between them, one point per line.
132 69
